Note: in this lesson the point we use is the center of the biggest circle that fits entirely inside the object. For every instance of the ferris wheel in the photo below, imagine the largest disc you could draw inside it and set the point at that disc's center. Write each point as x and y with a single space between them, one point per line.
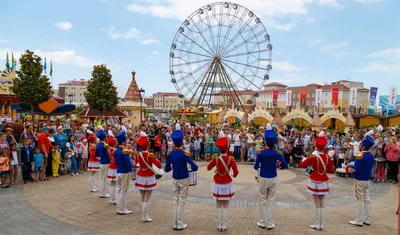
219 52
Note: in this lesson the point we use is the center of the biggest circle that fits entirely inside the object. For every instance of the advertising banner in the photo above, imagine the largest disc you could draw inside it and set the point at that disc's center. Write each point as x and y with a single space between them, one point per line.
335 96
275 98
372 100
318 96
289 98
392 95
353 97
303 97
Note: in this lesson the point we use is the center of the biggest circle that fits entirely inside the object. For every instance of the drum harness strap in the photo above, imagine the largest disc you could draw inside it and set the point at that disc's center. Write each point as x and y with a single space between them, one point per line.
315 153
225 166
151 168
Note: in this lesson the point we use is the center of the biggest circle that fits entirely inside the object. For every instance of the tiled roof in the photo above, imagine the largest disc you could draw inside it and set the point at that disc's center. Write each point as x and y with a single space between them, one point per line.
133 90
329 87
275 84
167 93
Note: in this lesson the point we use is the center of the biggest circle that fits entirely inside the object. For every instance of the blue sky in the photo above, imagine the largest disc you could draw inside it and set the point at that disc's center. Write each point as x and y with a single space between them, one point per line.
314 40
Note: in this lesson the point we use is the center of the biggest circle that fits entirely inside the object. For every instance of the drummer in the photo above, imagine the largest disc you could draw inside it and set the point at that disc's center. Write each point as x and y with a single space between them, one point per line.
177 161
266 160
145 178
223 187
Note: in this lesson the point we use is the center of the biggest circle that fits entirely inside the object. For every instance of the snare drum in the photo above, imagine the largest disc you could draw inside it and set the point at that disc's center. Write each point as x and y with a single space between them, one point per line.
192 178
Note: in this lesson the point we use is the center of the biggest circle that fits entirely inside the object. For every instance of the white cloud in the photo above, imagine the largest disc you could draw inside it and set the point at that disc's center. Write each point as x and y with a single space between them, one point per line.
155 52
387 60
286 66
317 41
132 33
334 47
278 26
63 25
66 57
367 1
341 54
331 3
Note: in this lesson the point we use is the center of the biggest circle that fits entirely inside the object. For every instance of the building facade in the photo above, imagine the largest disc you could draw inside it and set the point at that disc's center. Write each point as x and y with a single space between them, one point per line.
73 91
167 101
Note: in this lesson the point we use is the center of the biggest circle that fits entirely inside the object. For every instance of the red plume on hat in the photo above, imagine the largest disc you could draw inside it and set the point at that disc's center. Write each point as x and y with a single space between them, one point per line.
222 144
320 143
112 141
143 142
91 138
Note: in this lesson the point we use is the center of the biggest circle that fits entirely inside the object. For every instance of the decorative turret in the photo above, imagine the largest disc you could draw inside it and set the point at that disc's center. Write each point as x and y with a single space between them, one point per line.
220 119
133 90
349 123
277 119
316 121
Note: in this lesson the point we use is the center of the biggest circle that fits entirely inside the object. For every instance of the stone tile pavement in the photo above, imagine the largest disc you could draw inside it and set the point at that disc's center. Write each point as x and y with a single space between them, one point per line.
65 206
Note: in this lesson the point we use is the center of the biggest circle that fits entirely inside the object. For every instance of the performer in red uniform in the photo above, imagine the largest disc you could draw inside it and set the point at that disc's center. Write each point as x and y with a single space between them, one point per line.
145 177
112 170
223 187
318 184
93 163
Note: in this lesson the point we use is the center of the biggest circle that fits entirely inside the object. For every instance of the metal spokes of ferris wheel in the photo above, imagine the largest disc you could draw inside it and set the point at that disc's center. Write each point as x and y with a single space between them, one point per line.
219 50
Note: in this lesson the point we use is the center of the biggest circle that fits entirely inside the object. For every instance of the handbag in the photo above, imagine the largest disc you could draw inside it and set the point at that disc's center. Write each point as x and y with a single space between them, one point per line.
159 172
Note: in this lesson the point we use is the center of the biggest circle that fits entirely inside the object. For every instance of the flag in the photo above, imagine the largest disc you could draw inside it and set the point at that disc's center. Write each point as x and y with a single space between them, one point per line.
318 96
7 62
45 66
372 100
12 62
353 97
275 98
51 68
288 97
392 95
303 96
335 96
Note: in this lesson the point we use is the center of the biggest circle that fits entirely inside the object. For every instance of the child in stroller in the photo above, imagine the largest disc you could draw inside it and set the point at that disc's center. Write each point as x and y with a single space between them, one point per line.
298 154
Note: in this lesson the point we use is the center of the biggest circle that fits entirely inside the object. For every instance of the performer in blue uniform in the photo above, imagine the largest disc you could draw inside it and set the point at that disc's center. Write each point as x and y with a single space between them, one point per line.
177 161
361 174
266 160
101 152
124 168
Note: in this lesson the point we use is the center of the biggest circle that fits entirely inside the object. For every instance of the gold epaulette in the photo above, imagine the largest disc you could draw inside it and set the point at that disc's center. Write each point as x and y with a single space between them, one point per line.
232 159
259 151
360 156
214 157
106 146
188 154
126 151
279 152
151 155
312 155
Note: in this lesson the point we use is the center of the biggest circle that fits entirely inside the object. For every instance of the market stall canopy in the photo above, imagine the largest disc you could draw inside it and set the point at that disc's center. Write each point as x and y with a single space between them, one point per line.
92 113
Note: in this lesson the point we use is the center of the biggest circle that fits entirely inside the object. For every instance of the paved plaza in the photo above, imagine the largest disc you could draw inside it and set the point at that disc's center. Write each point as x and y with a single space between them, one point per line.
65 206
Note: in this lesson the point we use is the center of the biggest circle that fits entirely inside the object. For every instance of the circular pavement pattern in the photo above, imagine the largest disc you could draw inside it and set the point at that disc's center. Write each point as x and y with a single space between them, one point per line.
65 206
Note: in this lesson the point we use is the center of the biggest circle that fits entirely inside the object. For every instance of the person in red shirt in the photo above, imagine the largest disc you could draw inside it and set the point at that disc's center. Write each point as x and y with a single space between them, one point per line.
145 177
112 170
44 146
318 184
223 187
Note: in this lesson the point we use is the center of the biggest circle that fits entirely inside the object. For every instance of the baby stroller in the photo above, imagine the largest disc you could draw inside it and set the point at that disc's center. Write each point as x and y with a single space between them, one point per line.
297 155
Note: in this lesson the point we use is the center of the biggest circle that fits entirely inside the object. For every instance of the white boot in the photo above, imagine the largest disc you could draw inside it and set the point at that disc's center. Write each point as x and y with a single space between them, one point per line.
113 192
321 218
225 214
316 225
219 219
145 214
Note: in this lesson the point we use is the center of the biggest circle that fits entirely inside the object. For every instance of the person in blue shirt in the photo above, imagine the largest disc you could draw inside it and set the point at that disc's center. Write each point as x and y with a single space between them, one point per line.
178 161
61 139
101 152
38 159
266 160
124 168
361 173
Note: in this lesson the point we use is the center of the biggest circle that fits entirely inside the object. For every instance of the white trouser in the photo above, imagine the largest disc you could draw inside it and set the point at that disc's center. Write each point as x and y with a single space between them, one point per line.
103 179
267 199
361 190
113 191
122 191
92 186
180 194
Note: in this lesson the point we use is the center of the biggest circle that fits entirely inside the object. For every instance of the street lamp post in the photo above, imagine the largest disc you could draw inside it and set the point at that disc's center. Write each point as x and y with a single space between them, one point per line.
141 90
70 98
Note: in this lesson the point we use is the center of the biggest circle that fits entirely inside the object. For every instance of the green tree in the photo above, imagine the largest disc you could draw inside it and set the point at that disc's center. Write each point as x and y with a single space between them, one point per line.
101 93
31 86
